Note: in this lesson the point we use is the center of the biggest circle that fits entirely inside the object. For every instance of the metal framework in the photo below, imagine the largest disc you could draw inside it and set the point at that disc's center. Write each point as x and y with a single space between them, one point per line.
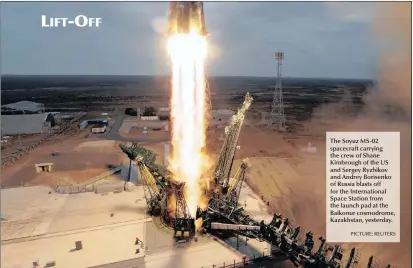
227 154
151 190
277 107
184 225
224 215
233 190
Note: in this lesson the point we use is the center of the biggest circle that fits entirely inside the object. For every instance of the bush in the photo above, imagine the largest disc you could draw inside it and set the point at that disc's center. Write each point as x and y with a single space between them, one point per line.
149 111
131 112
164 117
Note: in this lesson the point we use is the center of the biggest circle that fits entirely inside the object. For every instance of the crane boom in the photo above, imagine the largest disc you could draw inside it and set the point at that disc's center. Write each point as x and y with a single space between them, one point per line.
151 190
227 154
235 184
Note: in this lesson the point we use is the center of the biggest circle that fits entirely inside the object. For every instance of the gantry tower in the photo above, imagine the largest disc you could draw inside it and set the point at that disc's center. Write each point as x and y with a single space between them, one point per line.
227 154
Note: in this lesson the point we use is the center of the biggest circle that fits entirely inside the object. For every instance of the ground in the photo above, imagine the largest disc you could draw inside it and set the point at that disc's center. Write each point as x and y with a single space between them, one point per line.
295 187
78 160
37 219
282 173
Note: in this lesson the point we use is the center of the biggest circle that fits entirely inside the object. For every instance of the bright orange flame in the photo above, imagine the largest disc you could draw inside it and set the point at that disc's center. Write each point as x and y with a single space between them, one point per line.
188 162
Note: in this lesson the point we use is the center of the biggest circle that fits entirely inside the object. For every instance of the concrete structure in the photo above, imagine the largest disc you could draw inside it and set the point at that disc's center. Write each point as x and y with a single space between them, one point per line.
84 124
149 118
128 124
110 188
57 117
25 106
44 227
164 111
43 167
27 123
124 173
99 129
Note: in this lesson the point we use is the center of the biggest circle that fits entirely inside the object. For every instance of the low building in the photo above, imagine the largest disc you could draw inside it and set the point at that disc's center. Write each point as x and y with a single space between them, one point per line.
24 107
85 123
20 124
98 122
149 118
99 128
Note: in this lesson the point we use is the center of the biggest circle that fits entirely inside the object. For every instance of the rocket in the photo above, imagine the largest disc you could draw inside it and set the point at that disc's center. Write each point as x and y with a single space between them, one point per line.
186 16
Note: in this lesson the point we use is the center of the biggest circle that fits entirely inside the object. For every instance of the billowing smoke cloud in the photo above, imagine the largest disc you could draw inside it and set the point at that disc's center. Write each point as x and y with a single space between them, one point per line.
387 108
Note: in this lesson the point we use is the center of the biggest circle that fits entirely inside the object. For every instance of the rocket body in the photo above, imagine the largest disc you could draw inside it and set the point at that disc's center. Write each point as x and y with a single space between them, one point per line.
186 17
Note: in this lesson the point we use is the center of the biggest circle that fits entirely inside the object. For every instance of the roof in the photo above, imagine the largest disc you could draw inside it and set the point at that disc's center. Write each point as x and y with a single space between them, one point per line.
25 106
99 126
23 123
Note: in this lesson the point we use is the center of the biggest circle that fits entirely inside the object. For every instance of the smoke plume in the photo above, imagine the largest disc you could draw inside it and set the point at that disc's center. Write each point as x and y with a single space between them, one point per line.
387 107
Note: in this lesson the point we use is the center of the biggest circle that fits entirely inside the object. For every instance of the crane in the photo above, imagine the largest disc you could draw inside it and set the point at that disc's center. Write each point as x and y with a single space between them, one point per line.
151 190
227 154
235 184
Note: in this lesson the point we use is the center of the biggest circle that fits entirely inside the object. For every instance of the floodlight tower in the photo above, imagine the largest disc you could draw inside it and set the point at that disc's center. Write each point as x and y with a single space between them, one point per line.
277 108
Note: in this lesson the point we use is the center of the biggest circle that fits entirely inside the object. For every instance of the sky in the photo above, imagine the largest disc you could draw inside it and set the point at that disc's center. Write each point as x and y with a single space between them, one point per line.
319 39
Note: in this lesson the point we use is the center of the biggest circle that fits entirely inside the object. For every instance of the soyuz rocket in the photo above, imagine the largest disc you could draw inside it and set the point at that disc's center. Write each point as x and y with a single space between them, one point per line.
184 16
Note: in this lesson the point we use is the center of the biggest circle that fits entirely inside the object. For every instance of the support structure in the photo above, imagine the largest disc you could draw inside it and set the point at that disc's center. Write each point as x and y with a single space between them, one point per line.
227 154
152 193
184 227
277 107
233 190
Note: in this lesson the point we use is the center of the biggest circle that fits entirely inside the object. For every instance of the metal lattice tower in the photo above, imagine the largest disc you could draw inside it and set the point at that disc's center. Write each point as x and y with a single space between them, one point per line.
277 108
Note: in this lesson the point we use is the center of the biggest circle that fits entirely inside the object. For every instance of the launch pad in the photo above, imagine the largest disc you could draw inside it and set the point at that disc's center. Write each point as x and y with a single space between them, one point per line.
224 214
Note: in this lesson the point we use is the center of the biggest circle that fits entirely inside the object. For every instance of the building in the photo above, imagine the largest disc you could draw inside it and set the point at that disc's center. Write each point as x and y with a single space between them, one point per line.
129 170
85 123
24 107
57 117
98 122
19 124
99 128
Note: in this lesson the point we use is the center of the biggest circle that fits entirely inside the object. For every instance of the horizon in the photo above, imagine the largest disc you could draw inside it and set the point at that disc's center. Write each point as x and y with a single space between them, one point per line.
162 75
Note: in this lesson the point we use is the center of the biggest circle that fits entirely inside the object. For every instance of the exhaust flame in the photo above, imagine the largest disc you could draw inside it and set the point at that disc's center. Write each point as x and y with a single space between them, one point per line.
188 162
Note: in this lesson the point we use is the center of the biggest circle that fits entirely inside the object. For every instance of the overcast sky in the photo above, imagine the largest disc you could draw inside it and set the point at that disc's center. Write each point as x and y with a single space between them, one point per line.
332 40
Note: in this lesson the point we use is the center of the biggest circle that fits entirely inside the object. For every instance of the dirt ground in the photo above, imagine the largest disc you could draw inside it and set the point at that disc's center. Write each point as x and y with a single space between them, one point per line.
257 141
79 159
291 180
16 142
294 183
136 133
